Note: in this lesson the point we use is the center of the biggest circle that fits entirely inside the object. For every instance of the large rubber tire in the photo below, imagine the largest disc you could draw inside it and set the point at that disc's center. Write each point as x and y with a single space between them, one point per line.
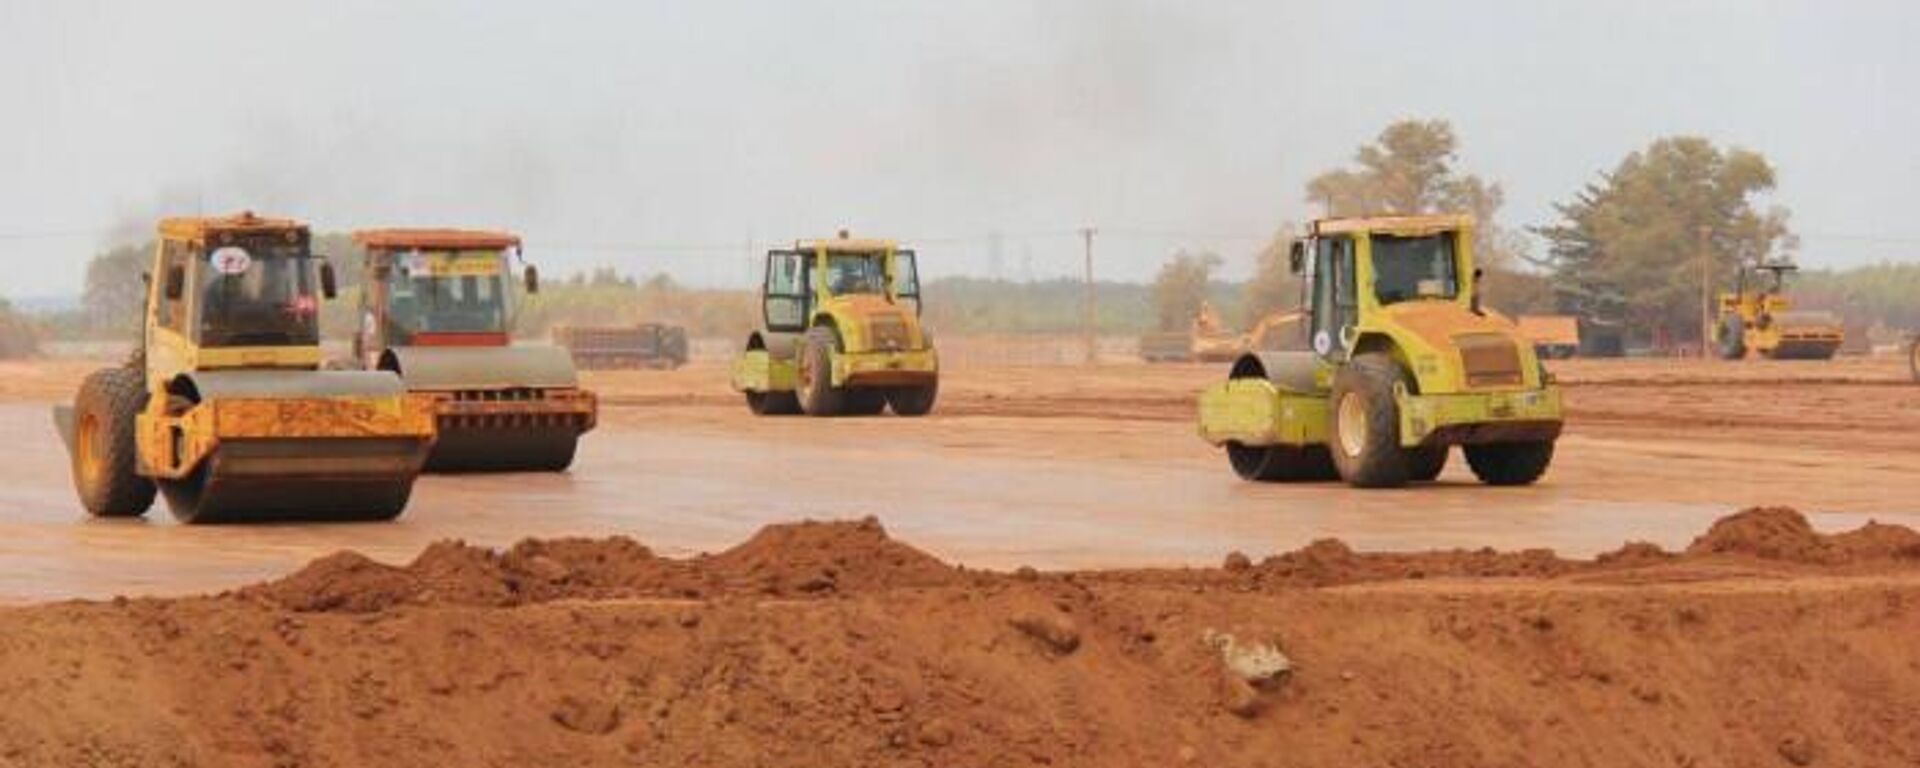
1425 463
914 401
818 395
1509 463
105 455
1733 339
1363 430
773 403
1281 463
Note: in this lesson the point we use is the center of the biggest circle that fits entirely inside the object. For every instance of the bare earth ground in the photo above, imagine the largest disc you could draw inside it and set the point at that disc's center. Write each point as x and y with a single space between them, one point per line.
1766 644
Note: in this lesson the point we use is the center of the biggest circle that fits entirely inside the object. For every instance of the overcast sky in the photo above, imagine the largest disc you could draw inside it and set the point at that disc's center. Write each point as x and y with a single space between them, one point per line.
668 136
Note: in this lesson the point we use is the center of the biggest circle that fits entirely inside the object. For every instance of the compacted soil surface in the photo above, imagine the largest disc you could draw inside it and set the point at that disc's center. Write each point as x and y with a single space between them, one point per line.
1761 643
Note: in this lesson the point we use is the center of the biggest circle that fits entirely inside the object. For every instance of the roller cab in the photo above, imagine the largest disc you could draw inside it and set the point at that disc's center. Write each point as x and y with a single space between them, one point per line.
225 411
842 333
1403 365
436 309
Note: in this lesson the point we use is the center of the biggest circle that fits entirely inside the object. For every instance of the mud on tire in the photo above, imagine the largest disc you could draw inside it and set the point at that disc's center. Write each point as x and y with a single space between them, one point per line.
105 456
1509 463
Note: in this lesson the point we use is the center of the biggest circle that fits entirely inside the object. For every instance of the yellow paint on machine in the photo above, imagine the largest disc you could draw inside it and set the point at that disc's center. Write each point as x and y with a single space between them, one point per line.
174 446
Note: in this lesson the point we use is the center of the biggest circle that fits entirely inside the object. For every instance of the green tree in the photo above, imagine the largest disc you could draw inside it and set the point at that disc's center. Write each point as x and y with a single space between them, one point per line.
1633 238
113 295
1410 168
18 336
1181 287
1274 287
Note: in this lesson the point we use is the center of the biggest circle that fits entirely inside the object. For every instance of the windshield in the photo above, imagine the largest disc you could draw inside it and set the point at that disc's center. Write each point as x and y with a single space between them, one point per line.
446 292
854 273
259 293
1406 268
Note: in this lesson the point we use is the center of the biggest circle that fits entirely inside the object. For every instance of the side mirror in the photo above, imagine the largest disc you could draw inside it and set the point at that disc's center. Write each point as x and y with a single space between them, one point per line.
176 285
1297 257
329 286
533 279
1474 304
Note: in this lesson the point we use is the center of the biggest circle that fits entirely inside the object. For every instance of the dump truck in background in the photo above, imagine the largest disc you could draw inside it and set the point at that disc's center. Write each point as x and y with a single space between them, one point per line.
624 347
1554 337
1404 364
842 333
436 308
1757 319
225 409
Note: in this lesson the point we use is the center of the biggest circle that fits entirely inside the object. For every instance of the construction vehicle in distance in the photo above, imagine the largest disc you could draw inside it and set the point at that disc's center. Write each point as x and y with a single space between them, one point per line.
607 347
1554 337
225 409
436 308
1758 319
1208 342
1404 364
842 333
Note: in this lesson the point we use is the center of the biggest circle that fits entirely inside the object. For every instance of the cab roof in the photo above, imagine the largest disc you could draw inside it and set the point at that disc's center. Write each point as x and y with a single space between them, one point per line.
844 242
450 239
244 222
1424 224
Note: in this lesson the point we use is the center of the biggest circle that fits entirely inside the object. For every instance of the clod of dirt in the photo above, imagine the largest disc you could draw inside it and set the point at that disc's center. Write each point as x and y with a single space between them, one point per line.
1635 554
586 715
1057 633
1796 748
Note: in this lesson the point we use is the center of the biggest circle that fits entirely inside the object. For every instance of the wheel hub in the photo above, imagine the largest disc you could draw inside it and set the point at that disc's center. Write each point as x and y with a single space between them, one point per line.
1352 424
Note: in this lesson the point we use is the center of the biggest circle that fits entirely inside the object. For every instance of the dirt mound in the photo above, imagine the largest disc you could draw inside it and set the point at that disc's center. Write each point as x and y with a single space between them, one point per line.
1330 562
813 557
832 644
807 558
1778 533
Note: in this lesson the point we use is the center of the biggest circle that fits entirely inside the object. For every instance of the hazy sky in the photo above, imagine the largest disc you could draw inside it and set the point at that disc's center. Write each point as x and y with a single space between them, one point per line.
667 136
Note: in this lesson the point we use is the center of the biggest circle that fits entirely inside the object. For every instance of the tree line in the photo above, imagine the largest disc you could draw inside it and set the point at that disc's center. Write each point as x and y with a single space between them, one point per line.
1627 248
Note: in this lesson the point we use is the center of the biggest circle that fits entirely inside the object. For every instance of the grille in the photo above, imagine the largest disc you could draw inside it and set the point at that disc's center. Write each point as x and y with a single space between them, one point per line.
1490 359
499 395
888 331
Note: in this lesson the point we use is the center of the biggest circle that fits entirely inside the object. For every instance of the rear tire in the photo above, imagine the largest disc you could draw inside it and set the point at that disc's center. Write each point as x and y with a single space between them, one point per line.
914 401
1425 463
1733 339
818 395
1364 433
1509 463
1281 463
773 403
105 454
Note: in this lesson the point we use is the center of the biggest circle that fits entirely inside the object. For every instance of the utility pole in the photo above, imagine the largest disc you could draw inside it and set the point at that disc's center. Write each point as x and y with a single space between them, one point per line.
1087 308
1706 290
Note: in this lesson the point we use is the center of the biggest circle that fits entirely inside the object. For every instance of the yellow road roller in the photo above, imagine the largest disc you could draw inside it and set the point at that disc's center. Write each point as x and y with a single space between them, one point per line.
842 333
436 307
225 410
1402 363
